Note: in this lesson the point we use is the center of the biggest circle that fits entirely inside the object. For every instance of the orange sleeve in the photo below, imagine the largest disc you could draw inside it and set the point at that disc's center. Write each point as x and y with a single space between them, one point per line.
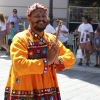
67 57
21 64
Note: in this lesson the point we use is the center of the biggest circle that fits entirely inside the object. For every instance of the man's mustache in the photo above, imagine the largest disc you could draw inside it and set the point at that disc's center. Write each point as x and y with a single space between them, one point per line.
40 21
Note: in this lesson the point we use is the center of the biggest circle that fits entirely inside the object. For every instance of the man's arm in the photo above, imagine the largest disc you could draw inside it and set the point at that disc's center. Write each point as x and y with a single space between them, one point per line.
19 19
19 55
79 34
66 58
96 47
94 42
0 29
65 31
8 20
91 36
91 33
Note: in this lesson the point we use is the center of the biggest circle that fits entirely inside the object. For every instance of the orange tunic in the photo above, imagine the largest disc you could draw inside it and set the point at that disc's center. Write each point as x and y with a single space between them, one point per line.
26 78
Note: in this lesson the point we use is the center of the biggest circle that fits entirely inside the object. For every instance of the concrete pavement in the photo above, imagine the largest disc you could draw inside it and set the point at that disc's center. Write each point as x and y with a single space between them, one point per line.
77 83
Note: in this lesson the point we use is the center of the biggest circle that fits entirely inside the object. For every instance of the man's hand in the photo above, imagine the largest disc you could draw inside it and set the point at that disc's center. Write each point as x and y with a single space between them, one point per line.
56 61
52 53
97 49
63 31
78 42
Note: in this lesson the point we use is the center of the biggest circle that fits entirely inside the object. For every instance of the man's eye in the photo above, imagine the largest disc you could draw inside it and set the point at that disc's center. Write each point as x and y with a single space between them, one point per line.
43 16
36 16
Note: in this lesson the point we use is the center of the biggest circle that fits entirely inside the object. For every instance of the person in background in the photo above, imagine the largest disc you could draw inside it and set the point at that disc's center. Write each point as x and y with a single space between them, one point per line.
11 34
35 57
76 31
3 32
98 27
85 36
92 45
97 48
16 19
64 30
49 28
76 35
91 21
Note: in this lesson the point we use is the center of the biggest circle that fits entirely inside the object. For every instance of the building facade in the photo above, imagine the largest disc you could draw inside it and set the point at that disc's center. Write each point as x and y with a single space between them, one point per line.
60 8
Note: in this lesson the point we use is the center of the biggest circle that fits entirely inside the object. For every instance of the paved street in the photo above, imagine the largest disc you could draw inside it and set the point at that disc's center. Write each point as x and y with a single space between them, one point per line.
78 83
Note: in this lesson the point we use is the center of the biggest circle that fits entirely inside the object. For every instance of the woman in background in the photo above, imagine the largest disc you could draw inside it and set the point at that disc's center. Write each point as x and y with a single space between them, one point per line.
3 31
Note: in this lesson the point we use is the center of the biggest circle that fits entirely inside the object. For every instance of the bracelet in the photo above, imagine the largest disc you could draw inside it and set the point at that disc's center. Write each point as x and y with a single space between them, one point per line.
61 62
45 66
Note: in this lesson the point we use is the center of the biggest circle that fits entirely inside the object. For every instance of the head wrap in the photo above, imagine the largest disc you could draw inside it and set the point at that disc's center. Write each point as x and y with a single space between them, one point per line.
35 6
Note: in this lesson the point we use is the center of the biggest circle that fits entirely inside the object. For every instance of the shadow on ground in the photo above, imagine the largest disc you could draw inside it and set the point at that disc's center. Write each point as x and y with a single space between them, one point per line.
90 77
3 55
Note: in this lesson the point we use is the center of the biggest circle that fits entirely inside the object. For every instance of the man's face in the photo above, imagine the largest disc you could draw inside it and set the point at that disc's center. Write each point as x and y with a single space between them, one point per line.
98 33
57 22
84 20
92 22
38 19
99 27
14 13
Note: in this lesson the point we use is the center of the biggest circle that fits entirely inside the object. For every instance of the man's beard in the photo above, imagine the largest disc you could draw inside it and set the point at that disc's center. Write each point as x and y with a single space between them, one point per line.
38 28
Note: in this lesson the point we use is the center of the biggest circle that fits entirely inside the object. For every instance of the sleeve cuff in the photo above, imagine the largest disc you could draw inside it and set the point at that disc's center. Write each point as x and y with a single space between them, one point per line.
61 62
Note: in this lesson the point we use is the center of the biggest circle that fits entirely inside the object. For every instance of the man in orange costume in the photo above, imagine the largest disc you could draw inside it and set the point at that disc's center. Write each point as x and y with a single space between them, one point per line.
35 57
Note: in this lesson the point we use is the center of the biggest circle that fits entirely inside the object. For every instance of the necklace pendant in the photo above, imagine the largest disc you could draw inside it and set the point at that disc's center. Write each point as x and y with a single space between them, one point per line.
35 35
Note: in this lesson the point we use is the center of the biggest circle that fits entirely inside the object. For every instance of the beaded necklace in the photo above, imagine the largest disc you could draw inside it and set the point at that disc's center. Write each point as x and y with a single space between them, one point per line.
36 36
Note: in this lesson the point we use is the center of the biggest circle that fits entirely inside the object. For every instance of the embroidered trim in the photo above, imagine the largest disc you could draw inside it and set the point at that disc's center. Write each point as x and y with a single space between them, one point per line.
45 66
36 50
43 94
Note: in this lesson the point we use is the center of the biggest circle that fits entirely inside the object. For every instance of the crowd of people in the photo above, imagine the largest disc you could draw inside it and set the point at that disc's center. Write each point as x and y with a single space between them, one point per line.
89 41
8 27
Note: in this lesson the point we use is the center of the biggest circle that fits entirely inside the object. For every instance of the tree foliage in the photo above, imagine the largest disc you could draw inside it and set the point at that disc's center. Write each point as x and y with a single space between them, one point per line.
86 3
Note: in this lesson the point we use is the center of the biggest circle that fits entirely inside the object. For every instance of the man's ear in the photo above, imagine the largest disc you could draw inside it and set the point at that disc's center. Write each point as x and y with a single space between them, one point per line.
29 18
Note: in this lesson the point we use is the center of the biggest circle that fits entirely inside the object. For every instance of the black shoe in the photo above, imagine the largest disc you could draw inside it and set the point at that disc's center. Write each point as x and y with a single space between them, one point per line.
80 63
96 65
87 64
